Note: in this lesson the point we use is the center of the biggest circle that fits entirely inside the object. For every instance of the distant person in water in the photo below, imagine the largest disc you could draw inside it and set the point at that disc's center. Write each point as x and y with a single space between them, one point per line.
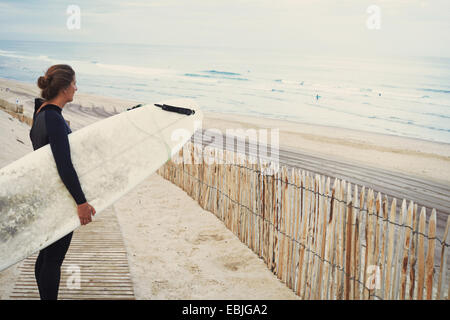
317 97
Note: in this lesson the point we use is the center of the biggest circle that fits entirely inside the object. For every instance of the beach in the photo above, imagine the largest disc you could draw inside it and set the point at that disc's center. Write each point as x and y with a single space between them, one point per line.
177 250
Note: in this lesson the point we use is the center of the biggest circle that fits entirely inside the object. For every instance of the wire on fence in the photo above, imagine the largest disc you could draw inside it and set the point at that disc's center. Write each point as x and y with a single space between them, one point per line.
292 239
443 243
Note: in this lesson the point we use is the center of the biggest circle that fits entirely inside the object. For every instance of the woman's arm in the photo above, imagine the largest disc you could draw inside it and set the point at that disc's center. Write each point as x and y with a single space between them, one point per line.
59 144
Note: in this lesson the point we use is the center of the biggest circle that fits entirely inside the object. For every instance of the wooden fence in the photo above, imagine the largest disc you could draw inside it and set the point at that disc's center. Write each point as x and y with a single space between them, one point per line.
15 110
324 241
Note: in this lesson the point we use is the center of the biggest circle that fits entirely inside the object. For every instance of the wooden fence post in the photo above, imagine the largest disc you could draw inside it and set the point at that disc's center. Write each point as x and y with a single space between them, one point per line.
443 266
348 249
356 245
405 256
421 255
429 271
398 252
328 282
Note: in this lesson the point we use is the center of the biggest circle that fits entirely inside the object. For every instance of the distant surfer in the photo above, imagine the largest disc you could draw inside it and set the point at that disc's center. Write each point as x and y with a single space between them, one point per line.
317 97
49 127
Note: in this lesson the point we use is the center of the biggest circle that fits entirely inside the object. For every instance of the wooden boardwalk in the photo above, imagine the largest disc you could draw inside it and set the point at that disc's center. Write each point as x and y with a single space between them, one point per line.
96 256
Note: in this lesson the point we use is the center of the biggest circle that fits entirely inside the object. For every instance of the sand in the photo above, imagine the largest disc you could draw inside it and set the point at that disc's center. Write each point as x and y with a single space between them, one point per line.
176 249
421 158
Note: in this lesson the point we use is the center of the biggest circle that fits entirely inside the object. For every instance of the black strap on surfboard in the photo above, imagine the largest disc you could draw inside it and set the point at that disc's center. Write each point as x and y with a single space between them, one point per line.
139 105
170 108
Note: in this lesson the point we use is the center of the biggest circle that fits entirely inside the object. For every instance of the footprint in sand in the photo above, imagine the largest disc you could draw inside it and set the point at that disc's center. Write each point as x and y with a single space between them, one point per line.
233 263
207 236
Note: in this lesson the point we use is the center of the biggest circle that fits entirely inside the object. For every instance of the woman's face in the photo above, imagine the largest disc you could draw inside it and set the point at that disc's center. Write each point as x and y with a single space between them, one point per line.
70 91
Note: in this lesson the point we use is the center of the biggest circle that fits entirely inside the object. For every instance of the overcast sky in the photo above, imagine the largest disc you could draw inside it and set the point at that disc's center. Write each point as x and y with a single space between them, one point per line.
407 27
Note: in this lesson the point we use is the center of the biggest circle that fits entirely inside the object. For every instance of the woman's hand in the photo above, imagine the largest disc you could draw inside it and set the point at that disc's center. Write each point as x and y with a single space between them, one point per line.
84 213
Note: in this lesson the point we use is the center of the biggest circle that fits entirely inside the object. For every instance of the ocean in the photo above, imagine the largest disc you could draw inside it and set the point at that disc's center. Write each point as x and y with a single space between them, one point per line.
400 96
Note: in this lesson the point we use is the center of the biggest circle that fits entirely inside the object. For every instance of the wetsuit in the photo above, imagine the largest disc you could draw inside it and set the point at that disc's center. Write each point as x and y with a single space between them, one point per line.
49 127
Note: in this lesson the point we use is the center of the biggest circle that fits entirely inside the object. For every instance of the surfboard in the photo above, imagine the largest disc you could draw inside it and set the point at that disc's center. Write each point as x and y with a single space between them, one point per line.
111 157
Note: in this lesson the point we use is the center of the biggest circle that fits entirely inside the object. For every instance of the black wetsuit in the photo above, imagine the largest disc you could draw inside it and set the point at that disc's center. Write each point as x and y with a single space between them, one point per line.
49 127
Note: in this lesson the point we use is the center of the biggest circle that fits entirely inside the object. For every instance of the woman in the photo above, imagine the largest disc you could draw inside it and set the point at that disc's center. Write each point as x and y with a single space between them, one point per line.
49 127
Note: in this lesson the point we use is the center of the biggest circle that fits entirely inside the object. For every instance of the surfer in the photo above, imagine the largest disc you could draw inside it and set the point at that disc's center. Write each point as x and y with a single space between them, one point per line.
49 127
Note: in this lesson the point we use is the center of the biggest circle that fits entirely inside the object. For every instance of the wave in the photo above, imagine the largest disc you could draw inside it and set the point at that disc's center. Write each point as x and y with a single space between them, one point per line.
13 54
434 90
196 75
437 115
409 122
132 69
225 73
301 83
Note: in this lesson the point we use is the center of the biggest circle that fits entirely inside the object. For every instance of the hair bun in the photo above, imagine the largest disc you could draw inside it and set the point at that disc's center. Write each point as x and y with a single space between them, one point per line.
43 82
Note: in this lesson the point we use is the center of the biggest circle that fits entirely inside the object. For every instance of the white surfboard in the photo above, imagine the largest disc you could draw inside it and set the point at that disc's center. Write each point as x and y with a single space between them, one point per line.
111 157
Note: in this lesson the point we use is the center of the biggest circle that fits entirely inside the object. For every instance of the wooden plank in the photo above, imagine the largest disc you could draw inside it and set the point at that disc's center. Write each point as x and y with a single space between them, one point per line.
421 255
243 209
390 253
414 244
429 267
398 252
377 220
311 227
307 209
307 236
253 196
331 222
297 229
323 234
316 237
406 245
443 265
262 210
285 225
342 242
291 229
281 218
334 238
338 246
271 192
369 244
303 237
104 271
361 259
267 234
383 248
348 251
356 245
